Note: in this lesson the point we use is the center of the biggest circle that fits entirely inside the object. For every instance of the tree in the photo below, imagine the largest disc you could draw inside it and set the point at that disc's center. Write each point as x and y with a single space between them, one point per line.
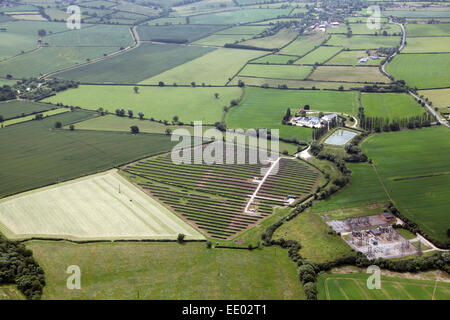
120 112
175 119
72 127
180 238
287 116
134 129
58 125
141 115
161 84
42 33
306 271
130 113
136 89
216 95
168 132
310 290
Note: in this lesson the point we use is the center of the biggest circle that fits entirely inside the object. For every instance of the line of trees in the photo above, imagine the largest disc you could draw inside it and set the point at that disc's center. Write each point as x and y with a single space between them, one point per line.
379 124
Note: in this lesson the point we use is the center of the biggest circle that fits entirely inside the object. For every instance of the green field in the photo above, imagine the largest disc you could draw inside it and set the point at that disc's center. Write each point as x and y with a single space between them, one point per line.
318 244
353 287
406 234
410 163
390 105
135 65
417 14
278 40
14 108
51 59
432 69
214 68
265 108
362 19
198 7
276 71
221 40
295 84
160 103
34 156
166 21
440 98
361 28
243 30
32 117
320 55
96 36
427 44
304 44
114 123
418 30
238 16
275 59
351 58
181 33
363 189
350 74
22 36
363 42
167 271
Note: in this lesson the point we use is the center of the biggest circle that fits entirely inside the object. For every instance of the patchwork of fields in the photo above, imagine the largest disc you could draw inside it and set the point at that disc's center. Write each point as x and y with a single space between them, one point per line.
96 164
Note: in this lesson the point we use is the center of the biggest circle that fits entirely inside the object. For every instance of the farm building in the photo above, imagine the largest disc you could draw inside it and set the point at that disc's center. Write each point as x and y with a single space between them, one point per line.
388 217
329 117
311 122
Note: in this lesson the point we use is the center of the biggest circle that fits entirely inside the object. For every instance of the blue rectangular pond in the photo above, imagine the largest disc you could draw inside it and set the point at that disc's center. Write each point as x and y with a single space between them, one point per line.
340 137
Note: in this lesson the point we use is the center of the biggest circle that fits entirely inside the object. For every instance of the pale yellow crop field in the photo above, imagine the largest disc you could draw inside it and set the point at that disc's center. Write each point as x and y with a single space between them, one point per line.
98 207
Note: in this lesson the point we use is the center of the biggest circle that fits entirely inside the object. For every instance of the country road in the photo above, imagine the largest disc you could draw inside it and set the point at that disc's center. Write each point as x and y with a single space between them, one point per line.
383 69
